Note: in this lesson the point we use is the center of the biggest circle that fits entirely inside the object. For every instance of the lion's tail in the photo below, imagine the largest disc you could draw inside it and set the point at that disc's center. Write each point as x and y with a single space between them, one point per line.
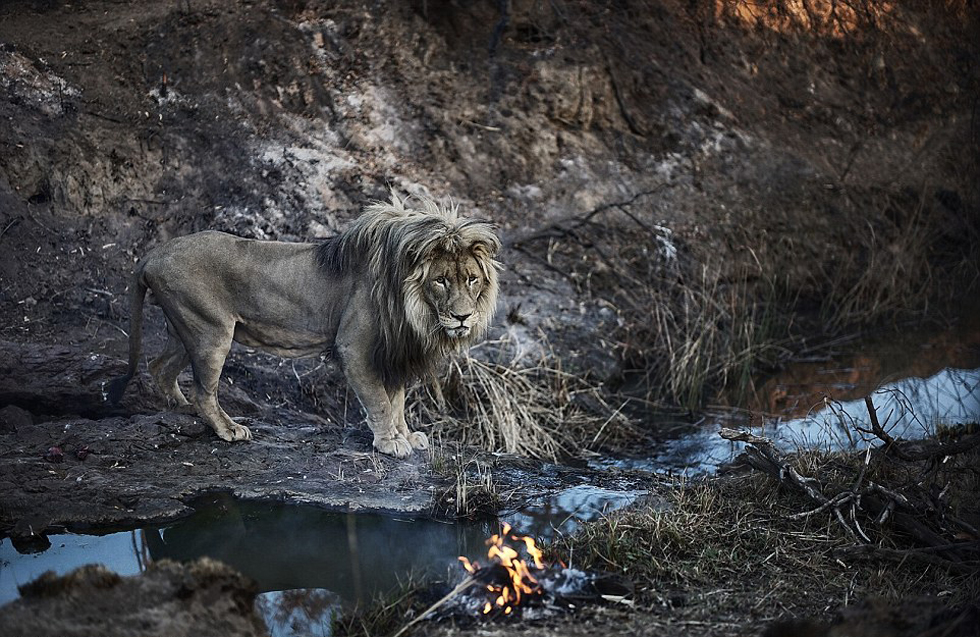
117 386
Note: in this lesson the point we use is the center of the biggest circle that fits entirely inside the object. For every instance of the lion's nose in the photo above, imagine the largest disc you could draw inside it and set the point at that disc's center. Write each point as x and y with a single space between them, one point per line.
460 317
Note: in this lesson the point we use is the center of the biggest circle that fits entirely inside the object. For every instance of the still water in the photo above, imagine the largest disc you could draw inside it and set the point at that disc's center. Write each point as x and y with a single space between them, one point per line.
916 379
307 562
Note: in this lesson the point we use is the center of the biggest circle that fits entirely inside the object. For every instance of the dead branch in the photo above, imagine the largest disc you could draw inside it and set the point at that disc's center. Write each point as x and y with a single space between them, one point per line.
760 454
881 503
560 229
13 222
917 450
878 430
466 583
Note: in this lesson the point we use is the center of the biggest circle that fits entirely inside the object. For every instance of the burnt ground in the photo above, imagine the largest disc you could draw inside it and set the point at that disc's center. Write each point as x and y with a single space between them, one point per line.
823 162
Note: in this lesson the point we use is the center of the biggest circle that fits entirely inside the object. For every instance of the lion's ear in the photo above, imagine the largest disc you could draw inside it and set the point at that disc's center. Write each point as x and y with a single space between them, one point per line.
485 250
484 253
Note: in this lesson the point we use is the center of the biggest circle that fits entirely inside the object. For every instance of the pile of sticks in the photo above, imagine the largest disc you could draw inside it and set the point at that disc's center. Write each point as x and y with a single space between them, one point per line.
874 514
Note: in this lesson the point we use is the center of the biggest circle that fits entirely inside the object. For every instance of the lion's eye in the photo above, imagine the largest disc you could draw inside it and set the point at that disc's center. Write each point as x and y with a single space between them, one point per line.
442 281
472 280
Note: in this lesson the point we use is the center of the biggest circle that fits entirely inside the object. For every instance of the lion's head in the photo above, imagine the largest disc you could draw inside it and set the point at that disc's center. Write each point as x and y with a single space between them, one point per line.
433 280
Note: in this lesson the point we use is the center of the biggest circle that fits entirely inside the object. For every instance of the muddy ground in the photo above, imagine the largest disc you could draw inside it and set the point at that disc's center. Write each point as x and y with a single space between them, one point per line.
102 467
825 162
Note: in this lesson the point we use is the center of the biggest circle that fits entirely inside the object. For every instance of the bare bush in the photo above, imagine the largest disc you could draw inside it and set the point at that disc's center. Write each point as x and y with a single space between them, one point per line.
686 328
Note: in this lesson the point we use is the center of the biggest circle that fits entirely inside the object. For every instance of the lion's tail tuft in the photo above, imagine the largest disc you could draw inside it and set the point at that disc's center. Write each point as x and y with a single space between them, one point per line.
117 386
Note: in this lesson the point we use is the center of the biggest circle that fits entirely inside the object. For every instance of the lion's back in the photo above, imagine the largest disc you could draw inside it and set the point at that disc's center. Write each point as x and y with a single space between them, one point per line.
185 259
211 270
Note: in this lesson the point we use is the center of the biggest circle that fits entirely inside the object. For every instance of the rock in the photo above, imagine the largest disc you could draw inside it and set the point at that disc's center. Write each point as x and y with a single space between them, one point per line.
27 535
13 418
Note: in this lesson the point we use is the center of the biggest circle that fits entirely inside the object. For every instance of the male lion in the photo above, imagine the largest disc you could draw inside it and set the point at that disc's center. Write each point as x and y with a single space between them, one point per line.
393 294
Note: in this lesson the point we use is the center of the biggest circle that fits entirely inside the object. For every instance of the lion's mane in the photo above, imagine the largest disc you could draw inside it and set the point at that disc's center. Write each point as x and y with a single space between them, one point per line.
392 246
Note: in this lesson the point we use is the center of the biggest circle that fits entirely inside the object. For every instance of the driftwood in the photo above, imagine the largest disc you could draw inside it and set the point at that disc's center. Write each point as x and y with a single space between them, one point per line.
870 504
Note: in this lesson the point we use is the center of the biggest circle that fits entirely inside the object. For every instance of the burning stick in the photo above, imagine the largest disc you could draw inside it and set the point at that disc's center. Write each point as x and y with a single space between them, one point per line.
519 580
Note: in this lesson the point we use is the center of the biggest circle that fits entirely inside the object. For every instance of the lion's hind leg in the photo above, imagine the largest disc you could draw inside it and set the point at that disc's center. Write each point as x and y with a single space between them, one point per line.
167 366
207 361
207 343
417 439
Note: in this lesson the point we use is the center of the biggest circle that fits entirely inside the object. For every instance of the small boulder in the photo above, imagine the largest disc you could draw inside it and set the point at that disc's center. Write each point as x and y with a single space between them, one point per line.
13 418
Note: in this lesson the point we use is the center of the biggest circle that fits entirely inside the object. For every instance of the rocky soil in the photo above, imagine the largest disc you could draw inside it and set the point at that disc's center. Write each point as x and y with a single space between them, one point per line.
201 598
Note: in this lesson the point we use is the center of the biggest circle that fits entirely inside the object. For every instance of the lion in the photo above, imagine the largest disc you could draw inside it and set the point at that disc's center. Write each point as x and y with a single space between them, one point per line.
391 296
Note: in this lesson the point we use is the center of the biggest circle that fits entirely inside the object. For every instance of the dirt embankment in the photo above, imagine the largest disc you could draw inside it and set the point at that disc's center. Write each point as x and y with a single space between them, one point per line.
635 158
202 598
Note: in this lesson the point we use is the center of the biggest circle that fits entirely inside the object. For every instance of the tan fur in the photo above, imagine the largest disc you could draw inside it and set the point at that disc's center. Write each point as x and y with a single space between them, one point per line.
392 295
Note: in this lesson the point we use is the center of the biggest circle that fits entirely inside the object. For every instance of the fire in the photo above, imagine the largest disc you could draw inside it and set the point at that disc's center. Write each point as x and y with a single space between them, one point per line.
522 583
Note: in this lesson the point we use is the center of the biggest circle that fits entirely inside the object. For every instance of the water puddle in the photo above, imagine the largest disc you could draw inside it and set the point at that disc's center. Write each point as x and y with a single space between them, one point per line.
917 380
307 562
909 408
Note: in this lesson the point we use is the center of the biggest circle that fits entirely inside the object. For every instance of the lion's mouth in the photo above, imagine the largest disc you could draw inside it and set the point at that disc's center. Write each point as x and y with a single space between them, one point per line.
458 331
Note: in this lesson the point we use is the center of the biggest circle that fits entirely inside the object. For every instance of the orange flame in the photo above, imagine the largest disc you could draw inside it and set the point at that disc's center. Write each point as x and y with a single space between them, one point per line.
522 581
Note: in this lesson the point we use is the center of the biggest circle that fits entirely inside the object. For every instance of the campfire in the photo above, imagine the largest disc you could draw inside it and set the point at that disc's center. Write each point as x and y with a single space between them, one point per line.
517 581
511 585
508 579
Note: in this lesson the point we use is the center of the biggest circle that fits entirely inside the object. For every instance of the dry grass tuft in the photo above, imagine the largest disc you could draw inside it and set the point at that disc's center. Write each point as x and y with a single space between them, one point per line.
531 410
703 335
734 538
474 493
686 328
892 272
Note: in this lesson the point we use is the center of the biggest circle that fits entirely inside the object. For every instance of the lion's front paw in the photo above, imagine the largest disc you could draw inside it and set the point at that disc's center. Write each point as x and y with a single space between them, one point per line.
241 432
234 432
418 440
398 447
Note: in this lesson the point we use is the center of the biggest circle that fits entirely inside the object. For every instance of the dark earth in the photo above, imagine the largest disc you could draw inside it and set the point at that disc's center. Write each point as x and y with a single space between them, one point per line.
793 149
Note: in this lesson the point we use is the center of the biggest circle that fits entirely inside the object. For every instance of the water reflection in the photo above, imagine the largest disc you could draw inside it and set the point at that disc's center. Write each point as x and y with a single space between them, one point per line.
305 611
66 552
293 547
910 408
545 518
801 388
